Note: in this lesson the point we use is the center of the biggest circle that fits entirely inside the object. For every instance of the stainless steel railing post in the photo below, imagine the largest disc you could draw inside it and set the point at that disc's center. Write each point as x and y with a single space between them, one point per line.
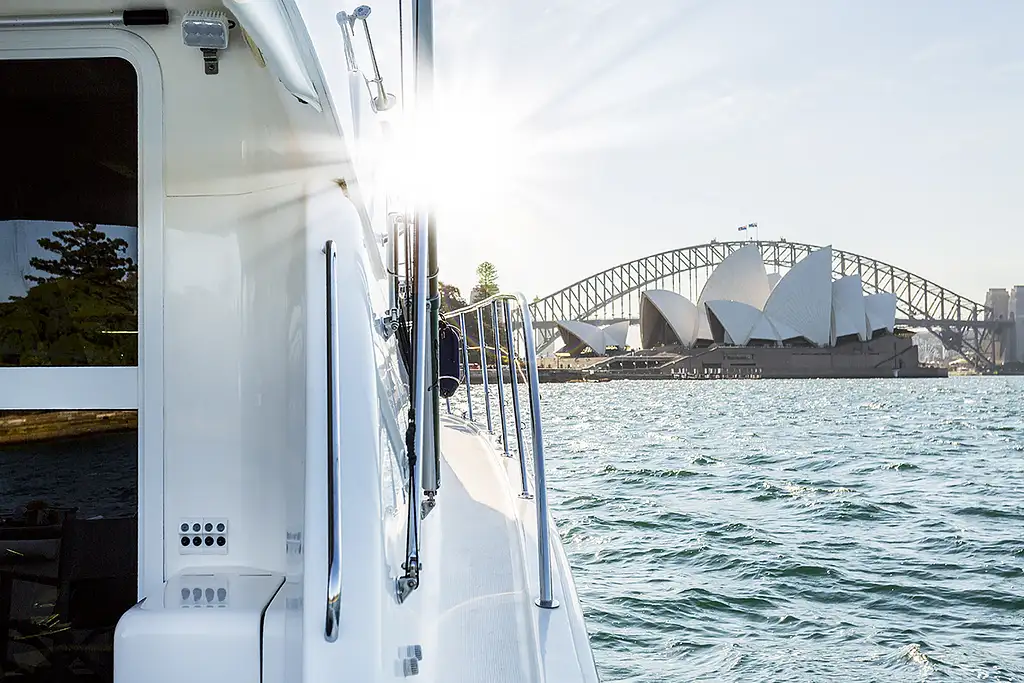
515 399
500 378
546 599
483 365
465 364
333 620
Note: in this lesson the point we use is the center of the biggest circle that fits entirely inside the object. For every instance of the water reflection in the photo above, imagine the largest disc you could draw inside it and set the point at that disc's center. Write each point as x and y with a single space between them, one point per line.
91 469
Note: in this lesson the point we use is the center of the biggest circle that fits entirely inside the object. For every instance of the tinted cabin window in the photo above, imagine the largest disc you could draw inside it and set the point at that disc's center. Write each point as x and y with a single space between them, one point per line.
69 213
68 541
68 297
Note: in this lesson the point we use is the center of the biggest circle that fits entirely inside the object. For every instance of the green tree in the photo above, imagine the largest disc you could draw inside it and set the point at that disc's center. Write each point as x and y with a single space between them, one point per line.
487 282
83 311
451 297
83 253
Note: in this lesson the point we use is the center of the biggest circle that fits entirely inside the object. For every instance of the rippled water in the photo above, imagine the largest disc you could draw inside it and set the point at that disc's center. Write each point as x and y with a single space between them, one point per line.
792 531
822 530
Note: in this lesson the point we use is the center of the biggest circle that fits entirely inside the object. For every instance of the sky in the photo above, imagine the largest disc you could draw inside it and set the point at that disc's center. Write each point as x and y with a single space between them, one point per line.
581 134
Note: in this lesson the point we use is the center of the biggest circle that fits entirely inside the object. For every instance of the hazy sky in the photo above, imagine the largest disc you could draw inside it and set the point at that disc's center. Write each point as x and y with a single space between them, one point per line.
585 133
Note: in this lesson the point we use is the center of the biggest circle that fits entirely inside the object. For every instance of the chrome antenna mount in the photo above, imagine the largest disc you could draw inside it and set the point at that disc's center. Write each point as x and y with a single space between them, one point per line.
383 101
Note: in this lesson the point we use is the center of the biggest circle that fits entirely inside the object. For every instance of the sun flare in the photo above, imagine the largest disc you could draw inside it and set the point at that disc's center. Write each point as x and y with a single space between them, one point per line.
461 160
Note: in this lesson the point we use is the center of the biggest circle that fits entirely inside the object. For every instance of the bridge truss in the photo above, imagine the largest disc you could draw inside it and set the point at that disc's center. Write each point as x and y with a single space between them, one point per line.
963 325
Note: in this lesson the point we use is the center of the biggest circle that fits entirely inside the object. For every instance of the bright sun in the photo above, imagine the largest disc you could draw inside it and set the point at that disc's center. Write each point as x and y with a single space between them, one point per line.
462 160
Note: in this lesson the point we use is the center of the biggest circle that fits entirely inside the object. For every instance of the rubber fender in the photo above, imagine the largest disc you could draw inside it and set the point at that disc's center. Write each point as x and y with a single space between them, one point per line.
449 357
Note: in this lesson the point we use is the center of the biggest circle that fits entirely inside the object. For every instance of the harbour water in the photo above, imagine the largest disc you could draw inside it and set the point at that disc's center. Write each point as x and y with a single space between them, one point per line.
792 530
798 531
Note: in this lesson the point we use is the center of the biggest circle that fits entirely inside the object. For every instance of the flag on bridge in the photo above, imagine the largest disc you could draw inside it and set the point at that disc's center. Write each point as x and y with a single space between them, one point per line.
752 225
743 228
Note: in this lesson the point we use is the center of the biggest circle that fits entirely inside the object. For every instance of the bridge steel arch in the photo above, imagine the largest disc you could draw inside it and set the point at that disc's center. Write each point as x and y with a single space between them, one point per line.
963 325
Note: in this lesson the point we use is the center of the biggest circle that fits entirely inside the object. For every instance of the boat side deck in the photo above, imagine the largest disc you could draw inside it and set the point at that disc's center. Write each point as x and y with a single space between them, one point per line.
483 598
482 548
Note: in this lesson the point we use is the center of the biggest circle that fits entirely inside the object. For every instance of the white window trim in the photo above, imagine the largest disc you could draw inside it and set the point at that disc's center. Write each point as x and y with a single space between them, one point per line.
138 387
78 388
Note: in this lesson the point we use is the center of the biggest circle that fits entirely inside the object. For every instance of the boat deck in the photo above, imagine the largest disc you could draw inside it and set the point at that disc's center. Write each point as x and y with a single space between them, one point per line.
483 593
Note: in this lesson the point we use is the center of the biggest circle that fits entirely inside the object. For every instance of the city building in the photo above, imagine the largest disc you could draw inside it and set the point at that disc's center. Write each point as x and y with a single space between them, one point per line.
998 299
1015 312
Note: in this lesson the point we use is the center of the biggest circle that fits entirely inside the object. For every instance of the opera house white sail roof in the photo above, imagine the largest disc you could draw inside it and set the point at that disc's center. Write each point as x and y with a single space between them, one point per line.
666 318
732 321
802 301
739 277
881 311
577 335
848 310
616 333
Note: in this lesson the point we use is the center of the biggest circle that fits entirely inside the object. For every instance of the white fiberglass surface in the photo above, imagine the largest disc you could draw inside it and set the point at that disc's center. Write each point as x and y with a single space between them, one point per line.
486 578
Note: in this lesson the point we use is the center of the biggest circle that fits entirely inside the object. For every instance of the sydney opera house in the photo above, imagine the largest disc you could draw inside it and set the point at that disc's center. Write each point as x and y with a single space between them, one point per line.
802 323
742 305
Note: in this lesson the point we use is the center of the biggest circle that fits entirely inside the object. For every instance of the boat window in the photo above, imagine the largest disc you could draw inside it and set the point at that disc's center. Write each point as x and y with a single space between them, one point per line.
68 540
69 207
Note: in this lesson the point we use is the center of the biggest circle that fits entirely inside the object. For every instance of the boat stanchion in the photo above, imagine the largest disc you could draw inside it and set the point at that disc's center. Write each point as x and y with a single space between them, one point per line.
515 399
483 366
500 378
465 364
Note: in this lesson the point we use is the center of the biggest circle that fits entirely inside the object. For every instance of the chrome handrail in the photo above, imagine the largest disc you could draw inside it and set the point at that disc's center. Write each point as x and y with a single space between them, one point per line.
546 598
333 619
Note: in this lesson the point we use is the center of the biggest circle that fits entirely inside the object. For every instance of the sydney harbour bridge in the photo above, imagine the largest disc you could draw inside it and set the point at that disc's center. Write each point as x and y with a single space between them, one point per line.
964 326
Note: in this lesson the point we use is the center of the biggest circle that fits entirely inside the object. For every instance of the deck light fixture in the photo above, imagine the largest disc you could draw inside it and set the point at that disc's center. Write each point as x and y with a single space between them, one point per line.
208 31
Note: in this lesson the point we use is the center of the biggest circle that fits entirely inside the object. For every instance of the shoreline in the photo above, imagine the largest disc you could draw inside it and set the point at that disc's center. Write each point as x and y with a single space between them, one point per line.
18 427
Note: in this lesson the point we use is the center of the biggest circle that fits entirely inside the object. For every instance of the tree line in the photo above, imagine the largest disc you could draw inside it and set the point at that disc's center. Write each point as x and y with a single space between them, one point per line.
82 309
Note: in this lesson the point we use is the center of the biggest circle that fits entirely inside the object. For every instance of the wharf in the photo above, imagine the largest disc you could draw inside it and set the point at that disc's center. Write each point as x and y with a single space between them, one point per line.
884 357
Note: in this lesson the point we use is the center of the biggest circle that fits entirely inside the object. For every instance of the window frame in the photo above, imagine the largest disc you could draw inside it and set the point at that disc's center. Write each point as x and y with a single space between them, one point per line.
129 387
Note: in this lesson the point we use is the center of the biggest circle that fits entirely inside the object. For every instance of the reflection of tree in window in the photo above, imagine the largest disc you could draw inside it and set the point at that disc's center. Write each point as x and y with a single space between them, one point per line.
83 310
